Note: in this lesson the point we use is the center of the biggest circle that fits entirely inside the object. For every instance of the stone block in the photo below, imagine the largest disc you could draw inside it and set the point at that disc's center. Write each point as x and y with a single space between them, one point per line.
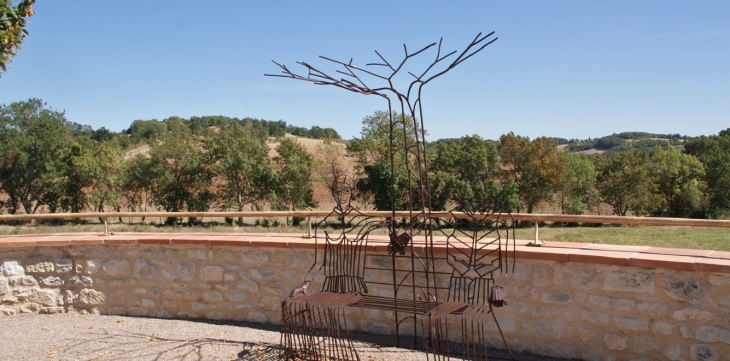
7 311
375 327
37 266
4 288
257 317
137 311
51 310
719 281
186 271
617 304
161 313
580 333
211 273
653 309
117 267
212 296
91 297
542 312
685 332
637 282
722 300
69 297
701 352
167 273
595 317
43 297
558 297
28 281
663 328
263 273
713 334
686 314
685 290
11 267
215 315
616 341
51 281
144 269
540 276
631 323
79 280
236 296
538 329
645 345
229 277
92 266
674 353
64 265
198 253
147 303
197 306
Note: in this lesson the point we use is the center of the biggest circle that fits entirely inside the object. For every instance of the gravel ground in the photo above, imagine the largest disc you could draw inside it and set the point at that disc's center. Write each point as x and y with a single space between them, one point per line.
95 337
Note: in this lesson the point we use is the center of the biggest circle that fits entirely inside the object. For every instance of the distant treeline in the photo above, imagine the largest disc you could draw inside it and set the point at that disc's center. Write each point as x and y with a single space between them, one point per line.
50 164
617 143
144 131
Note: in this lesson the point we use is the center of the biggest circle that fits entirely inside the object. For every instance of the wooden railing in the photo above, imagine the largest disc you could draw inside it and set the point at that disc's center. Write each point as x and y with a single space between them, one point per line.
534 217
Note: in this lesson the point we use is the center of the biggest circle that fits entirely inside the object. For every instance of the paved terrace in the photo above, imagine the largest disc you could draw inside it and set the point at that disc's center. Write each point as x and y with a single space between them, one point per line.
637 256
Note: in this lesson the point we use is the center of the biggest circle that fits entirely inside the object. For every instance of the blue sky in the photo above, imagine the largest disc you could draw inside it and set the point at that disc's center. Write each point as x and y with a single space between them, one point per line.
573 69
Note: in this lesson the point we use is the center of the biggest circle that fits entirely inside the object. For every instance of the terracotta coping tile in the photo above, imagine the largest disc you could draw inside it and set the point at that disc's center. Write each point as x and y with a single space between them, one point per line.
719 255
712 265
663 261
153 240
601 257
615 247
17 243
575 245
120 242
678 251
228 242
53 242
540 253
88 242
186 239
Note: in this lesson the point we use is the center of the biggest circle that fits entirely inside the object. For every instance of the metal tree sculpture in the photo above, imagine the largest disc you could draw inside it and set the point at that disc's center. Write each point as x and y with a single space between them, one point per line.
407 102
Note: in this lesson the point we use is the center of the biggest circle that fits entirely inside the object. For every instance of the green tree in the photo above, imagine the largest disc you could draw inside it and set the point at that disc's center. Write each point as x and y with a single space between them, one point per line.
714 153
294 176
464 171
679 178
626 182
576 189
137 182
534 166
372 154
32 139
180 172
241 163
12 28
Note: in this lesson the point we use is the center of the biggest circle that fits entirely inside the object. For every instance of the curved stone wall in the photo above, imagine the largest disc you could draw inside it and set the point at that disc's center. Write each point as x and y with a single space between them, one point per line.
589 302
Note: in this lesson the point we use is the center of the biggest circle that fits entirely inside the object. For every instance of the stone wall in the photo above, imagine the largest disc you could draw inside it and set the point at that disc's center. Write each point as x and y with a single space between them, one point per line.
568 309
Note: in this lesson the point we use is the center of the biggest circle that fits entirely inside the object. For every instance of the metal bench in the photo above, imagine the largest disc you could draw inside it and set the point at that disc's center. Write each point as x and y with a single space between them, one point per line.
427 274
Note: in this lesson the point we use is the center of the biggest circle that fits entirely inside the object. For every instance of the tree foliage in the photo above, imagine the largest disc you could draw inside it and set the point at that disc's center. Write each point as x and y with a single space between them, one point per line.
294 173
626 182
576 191
180 172
534 166
32 141
240 163
714 153
13 20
